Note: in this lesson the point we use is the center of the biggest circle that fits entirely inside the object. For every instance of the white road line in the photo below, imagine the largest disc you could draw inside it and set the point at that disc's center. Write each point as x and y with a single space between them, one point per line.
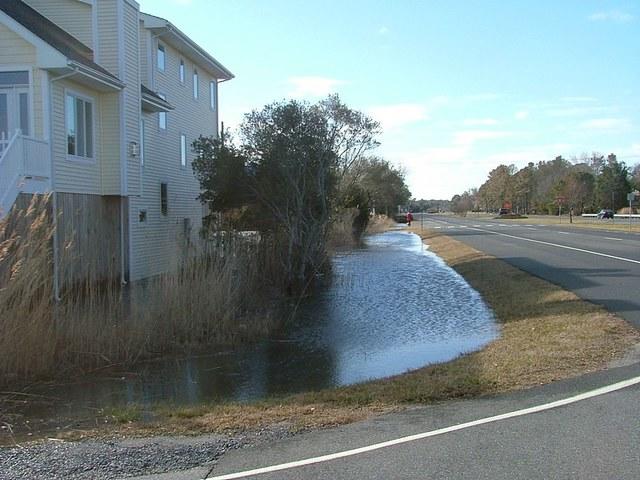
566 247
412 438
616 239
563 233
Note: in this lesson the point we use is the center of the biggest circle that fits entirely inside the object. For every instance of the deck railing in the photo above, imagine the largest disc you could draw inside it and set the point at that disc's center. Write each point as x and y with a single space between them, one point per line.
23 160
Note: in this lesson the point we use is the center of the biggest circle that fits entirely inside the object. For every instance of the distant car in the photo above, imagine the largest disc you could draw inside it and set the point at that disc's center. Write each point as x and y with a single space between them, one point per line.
504 211
604 213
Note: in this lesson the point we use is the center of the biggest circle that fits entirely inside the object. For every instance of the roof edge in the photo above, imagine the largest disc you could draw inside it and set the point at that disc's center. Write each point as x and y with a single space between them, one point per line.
153 22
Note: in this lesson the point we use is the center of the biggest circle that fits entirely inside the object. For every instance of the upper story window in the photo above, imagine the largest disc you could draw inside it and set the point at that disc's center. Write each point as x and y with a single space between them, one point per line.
162 57
213 94
162 116
181 71
196 86
183 150
79 120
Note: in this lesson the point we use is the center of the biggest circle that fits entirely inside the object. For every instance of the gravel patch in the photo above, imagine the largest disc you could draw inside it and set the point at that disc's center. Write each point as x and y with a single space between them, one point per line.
116 459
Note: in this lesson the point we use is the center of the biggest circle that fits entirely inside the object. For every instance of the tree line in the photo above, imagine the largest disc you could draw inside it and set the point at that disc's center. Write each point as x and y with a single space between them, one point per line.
586 185
295 170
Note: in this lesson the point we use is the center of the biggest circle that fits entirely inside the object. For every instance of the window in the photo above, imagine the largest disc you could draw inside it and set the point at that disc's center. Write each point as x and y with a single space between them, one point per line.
164 199
142 216
141 143
195 84
161 57
14 78
181 71
79 118
213 94
183 150
162 116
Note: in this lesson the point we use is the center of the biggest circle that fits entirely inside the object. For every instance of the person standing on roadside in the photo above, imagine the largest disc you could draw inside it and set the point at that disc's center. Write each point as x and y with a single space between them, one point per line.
409 218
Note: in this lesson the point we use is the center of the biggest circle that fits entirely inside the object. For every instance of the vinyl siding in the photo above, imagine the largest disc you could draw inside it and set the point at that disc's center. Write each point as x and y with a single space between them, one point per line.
110 144
16 52
156 242
71 15
131 77
108 48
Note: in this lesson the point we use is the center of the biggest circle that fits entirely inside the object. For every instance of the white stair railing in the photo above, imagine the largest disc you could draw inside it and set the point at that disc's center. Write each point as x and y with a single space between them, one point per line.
24 166
10 172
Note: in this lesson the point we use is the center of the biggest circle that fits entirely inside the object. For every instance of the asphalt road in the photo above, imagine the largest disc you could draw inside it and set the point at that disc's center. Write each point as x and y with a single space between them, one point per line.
596 438
600 266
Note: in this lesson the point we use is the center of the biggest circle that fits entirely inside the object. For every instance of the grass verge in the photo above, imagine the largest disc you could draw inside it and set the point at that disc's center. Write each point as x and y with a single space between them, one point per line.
547 334
617 225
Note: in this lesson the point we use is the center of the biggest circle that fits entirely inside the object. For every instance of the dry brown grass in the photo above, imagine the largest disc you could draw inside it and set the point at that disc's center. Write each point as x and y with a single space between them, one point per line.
546 334
379 224
216 296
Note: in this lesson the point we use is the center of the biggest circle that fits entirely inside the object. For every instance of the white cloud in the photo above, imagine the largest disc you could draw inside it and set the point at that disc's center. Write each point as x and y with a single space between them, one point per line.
469 137
606 124
611 16
311 86
383 30
398 115
522 115
480 122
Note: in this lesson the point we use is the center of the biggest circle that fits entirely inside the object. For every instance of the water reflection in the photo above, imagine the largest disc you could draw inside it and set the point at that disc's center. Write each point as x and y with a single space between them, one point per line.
390 306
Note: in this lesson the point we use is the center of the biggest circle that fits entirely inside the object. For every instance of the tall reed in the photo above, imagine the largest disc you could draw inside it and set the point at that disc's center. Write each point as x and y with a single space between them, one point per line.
217 294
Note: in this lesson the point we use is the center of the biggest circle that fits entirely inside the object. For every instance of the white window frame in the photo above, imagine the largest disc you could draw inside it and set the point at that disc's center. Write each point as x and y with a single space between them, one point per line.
183 150
87 99
196 84
213 94
182 71
163 115
25 68
163 49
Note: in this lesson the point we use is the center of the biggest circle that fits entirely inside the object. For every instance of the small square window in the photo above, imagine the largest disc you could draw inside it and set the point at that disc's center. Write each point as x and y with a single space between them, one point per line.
161 57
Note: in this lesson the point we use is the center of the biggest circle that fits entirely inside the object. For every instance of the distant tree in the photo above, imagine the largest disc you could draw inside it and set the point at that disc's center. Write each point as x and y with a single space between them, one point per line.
524 187
461 204
499 187
384 184
612 185
635 176
579 190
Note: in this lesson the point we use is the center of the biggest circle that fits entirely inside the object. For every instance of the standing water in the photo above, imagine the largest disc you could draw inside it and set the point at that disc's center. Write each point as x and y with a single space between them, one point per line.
390 306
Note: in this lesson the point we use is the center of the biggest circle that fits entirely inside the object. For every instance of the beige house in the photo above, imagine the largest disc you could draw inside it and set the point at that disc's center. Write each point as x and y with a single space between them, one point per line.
99 104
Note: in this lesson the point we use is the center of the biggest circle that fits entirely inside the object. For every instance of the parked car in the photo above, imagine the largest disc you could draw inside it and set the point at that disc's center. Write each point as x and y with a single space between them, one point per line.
605 213
504 211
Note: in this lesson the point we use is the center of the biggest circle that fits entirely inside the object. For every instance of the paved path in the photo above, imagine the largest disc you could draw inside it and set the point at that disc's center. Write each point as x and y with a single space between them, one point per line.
596 438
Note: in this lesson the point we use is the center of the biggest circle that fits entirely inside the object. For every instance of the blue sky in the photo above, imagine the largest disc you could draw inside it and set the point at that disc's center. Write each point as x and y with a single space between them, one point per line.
459 86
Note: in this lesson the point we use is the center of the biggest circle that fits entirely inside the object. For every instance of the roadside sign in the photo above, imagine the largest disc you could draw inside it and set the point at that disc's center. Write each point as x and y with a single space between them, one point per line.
631 196
560 200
